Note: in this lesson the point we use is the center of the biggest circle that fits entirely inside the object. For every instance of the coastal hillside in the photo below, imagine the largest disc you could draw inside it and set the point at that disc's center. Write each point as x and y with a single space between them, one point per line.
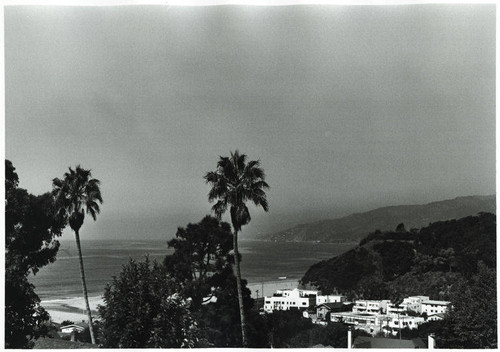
355 226
426 262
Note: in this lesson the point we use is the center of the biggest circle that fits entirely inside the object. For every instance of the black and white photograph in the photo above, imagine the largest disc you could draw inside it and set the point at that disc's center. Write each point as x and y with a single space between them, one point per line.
266 174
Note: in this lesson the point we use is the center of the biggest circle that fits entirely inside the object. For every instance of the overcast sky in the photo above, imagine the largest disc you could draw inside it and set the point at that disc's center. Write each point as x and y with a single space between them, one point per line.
348 108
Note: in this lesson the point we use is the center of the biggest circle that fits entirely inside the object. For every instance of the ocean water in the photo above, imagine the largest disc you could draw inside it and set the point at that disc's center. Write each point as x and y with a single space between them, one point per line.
261 262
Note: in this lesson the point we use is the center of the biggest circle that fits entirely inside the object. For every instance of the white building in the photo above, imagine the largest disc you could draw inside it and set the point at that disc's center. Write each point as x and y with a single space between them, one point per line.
403 322
290 299
435 317
78 327
414 303
370 306
375 323
431 307
393 309
330 299
320 299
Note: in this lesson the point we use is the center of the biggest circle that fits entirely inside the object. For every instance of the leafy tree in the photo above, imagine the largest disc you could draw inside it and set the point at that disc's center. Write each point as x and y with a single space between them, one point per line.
397 258
31 229
76 193
201 258
472 321
233 184
283 326
334 334
428 262
142 309
202 266
219 321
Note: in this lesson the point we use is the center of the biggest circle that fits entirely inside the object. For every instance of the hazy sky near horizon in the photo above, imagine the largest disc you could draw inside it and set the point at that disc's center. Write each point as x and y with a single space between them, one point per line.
347 107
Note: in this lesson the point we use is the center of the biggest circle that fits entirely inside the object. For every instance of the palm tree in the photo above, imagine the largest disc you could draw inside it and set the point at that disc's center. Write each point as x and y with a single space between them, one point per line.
233 183
76 193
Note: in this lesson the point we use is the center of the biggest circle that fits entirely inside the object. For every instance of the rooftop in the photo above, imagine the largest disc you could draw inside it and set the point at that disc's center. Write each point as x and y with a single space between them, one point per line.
382 342
436 302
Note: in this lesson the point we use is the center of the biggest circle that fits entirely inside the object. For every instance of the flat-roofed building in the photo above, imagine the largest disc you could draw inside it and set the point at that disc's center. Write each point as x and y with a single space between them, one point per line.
370 323
414 303
370 306
374 324
320 299
290 299
431 307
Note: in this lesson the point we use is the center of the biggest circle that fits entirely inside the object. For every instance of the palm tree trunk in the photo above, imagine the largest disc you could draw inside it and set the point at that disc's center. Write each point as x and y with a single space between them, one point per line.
238 286
84 287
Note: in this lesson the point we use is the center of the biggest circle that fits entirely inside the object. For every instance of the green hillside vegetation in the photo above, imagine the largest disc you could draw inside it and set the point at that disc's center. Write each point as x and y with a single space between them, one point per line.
354 227
416 262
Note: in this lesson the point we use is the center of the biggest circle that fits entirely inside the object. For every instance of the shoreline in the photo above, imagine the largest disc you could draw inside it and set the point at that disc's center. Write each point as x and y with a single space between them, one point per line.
73 308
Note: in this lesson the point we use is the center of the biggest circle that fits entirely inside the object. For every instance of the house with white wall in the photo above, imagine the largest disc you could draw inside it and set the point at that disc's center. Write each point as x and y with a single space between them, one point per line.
404 321
431 307
370 306
77 327
290 299
396 309
373 324
320 299
414 303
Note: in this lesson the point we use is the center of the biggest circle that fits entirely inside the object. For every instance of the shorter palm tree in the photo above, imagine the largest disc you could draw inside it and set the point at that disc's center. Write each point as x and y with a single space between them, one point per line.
76 193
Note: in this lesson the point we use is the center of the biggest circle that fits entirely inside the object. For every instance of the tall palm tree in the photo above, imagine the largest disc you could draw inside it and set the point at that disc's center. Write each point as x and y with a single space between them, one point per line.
235 182
76 193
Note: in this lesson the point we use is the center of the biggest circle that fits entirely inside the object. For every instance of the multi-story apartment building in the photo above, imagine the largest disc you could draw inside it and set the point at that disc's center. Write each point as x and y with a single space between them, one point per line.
431 307
370 306
320 299
393 309
414 303
375 323
290 299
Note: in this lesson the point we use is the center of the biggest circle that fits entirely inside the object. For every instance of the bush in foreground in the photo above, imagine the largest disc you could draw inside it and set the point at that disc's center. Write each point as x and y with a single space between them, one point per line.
142 310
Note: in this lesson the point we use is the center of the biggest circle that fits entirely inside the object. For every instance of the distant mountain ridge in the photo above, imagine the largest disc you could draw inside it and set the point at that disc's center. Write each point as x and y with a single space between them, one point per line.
353 227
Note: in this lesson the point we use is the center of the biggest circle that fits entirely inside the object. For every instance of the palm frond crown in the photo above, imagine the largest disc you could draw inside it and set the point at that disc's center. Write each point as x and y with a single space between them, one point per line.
234 182
77 192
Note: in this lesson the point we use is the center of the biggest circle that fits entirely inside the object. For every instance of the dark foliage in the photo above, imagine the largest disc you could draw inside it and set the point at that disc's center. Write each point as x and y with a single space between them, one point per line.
67 322
142 310
283 326
397 258
289 329
342 273
219 322
202 267
452 260
334 334
201 260
472 239
472 322
31 226
384 236
426 262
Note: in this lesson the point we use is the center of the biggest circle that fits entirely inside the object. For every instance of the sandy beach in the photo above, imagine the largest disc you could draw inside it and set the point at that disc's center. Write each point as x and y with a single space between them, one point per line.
74 308
71 308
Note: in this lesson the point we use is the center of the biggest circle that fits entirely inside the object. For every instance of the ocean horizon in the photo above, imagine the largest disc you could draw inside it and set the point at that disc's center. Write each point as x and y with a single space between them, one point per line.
263 262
